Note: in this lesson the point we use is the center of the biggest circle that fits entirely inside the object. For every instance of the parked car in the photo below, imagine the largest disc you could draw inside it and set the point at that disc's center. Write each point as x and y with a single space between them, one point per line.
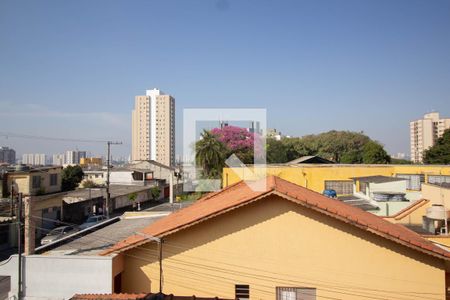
58 233
91 221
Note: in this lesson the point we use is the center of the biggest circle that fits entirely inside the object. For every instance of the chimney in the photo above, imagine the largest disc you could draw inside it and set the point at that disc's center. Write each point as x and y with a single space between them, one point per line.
29 234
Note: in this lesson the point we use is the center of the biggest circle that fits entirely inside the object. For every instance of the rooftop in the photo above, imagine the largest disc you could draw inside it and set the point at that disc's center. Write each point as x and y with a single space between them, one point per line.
115 191
378 179
310 159
240 194
99 240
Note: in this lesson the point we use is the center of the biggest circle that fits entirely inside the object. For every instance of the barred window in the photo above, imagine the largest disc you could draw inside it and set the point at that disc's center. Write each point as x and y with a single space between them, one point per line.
53 179
438 179
242 291
296 293
413 181
363 187
342 187
36 182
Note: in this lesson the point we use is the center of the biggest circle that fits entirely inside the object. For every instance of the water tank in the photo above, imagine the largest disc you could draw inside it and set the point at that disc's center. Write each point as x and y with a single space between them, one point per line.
330 193
22 168
436 212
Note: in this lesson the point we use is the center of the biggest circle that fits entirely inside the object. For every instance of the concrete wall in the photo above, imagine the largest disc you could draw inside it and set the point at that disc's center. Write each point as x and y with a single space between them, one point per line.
314 177
394 186
60 277
276 243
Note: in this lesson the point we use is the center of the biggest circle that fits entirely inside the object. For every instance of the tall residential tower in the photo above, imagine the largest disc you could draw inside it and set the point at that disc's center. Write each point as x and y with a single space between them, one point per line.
424 134
153 128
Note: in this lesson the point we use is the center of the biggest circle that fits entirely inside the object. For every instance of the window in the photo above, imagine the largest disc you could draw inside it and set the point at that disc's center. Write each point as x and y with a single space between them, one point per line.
242 291
36 182
438 179
295 293
53 179
342 187
363 187
413 181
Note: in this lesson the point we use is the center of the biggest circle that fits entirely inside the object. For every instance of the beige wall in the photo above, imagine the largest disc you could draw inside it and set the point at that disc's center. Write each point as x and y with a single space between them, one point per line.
436 194
274 242
24 181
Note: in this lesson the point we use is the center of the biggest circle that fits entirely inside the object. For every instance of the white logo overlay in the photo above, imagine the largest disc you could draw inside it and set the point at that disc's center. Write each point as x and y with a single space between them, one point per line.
193 116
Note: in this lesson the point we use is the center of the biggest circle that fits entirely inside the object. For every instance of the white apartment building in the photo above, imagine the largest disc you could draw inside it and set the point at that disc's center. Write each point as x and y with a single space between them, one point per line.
34 159
73 157
424 134
58 160
153 128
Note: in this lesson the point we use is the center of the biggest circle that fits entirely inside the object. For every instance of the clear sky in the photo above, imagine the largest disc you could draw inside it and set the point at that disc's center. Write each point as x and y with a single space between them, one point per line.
72 68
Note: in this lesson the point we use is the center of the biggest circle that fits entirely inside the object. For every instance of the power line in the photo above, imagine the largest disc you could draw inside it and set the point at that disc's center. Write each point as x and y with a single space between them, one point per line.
372 294
38 137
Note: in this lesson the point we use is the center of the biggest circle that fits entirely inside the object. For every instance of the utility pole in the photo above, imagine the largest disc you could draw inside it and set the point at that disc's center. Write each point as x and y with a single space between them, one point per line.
108 168
19 247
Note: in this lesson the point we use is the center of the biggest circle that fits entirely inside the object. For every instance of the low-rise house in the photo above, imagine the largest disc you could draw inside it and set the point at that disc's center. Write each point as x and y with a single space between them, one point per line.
280 242
32 181
60 271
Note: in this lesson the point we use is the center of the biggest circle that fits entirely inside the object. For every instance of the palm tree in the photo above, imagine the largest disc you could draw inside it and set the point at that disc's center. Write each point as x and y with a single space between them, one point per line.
210 155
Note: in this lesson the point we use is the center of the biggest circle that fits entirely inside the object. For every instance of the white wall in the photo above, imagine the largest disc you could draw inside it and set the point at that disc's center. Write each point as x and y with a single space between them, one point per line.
60 277
393 186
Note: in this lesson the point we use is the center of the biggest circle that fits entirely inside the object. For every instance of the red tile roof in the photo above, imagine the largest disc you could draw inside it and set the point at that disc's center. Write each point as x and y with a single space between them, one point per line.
109 296
241 194
136 297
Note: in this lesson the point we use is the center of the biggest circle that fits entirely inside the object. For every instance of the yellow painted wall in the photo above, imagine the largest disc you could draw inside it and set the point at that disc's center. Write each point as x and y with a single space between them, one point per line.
24 181
436 194
274 242
314 176
411 216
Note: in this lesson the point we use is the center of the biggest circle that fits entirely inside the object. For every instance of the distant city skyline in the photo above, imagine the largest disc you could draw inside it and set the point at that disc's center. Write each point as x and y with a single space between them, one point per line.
72 69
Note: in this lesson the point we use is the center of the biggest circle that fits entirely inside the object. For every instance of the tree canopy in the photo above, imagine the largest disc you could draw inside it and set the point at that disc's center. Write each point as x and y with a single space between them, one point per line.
71 177
338 146
440 152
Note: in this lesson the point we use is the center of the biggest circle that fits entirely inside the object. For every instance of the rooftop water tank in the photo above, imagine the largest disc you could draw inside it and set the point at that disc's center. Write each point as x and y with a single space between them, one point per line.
437 212
330 193
22 168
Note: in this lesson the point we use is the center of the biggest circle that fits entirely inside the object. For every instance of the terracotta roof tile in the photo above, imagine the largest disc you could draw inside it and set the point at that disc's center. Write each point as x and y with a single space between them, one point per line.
240 194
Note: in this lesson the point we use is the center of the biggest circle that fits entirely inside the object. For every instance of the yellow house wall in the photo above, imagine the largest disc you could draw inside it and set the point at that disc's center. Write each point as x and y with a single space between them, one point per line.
314 176
436 194
24 181
276 243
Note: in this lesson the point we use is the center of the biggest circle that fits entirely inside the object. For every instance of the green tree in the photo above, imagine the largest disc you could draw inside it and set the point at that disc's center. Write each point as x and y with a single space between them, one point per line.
352 157
374 153
71 177
210 155
440 152
155 192
276 151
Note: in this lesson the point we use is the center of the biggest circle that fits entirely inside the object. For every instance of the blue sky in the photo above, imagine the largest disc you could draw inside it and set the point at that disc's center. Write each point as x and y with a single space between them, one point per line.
72 68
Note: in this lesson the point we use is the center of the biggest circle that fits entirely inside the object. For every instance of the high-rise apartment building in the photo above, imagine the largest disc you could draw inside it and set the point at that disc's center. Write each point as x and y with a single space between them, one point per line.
34 159
73 157
424 134
58 159
7 155
153 128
